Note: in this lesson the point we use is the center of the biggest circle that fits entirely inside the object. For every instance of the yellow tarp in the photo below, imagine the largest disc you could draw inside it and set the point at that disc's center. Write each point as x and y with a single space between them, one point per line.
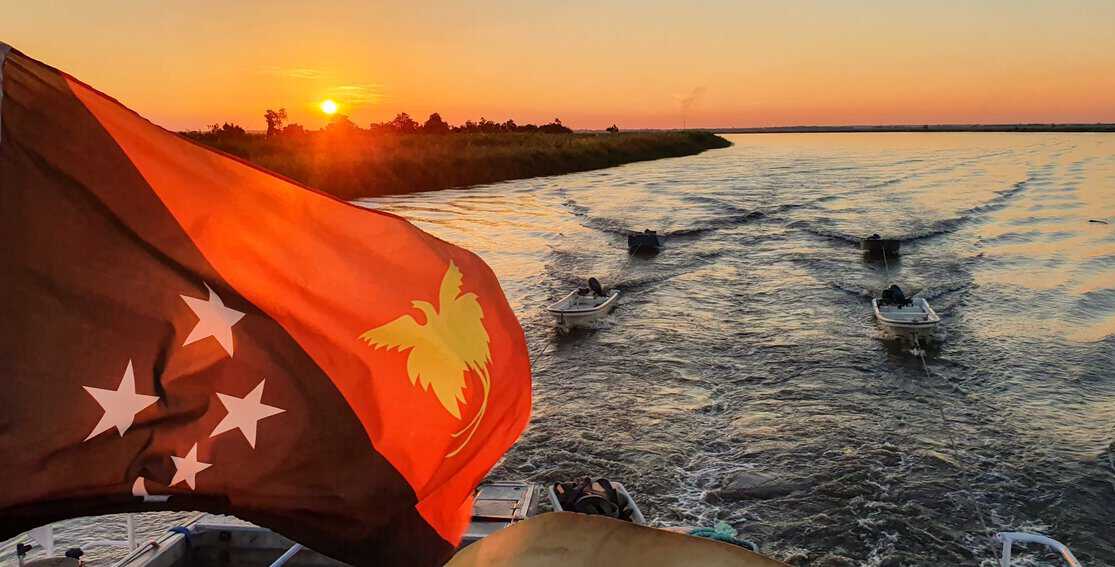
565 539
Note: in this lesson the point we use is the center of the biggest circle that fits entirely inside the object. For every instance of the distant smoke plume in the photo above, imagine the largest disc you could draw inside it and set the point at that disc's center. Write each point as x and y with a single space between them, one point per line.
688 101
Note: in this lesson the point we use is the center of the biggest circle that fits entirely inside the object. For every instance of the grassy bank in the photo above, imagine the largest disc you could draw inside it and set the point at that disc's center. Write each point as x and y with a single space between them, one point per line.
361 164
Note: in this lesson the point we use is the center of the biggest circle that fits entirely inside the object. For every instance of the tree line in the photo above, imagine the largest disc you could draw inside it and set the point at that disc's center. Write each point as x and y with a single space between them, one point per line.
401 124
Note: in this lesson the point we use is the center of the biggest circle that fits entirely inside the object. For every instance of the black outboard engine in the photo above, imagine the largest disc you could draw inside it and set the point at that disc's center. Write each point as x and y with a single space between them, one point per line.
595 287
894 295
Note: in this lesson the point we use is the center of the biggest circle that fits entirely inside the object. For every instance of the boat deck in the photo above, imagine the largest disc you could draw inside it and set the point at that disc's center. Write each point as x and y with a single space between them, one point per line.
231 542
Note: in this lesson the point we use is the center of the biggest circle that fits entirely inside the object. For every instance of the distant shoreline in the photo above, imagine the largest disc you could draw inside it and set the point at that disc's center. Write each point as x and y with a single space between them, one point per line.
1099 127
357 164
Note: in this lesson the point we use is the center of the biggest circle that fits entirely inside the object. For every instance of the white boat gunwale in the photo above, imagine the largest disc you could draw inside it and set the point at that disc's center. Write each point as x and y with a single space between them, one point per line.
886 316
556 308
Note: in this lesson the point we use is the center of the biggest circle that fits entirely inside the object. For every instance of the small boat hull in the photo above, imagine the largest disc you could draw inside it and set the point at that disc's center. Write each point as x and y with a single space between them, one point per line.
643 243
916 321
880 248
580 311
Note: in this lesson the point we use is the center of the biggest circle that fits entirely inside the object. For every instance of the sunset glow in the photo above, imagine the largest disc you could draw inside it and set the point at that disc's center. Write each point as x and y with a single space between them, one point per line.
636 64
328 106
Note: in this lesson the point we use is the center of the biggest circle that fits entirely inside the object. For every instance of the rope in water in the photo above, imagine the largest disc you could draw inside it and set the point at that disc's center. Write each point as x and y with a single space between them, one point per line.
920 351
921 354
886 265
536 359
951 432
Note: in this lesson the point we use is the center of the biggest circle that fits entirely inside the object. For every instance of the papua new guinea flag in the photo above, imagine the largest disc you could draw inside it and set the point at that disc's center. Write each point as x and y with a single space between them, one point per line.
182 330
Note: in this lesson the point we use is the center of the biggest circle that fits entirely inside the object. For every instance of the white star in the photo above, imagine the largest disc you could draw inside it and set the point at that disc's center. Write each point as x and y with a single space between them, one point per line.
214 320
139 488
121 405
186 468
244 413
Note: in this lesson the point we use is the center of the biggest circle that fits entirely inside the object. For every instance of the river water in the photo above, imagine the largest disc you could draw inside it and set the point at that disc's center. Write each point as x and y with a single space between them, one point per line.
748 344
747 348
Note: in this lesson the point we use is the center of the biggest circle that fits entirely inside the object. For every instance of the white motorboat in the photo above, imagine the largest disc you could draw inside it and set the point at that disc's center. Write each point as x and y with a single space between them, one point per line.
584 306
913 318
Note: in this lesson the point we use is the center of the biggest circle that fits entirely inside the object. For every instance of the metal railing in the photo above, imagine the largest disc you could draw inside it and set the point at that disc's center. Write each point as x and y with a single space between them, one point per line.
1009 538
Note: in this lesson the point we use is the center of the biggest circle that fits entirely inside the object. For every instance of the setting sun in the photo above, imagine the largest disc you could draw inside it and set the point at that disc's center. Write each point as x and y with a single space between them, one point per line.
328 106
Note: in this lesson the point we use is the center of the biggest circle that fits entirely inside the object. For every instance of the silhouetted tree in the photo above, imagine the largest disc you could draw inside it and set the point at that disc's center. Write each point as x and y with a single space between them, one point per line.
487 126
293 130
404 123
613 129
341 124
380 128
554 127
226 130
435 125
467 127
274 120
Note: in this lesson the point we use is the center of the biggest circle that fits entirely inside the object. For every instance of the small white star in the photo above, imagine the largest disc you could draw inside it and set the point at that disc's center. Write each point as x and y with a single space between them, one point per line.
244 413
121 405
214 319
139 488
186 468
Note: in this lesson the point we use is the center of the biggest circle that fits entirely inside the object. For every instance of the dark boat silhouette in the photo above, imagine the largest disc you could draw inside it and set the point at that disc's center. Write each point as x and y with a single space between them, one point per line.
877 247
645 242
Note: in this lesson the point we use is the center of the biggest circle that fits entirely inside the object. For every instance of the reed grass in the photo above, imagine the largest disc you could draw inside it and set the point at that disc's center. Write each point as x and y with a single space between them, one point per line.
354 164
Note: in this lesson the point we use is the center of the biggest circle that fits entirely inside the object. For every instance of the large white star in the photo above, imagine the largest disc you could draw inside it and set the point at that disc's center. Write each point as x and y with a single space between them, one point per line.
186 468
121 405
214 320
244 413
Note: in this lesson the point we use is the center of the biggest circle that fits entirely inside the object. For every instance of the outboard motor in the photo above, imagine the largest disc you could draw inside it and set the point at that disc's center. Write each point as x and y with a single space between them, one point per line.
894 295
595 287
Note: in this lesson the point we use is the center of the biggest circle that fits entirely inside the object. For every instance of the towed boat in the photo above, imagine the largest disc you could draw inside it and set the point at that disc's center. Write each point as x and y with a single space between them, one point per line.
584 306
645 242
876 247
912 318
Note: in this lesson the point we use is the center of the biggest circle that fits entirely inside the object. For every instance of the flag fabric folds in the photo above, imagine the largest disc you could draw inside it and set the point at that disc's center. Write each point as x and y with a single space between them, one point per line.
184 330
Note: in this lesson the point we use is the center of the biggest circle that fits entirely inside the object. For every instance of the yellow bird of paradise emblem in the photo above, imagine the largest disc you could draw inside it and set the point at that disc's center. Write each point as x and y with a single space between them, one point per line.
452 341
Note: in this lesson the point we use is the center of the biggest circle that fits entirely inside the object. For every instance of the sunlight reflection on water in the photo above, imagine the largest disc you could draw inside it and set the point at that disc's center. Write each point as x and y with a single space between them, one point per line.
748 344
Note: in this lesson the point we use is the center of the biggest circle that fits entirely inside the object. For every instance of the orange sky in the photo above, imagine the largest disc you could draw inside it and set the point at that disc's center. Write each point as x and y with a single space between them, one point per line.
185 64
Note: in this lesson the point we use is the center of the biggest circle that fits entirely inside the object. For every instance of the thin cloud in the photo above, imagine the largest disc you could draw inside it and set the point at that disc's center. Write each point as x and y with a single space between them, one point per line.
687 101
366 93
294 72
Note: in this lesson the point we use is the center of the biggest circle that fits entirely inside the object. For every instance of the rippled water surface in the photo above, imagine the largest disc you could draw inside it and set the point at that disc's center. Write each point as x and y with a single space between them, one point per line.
747 345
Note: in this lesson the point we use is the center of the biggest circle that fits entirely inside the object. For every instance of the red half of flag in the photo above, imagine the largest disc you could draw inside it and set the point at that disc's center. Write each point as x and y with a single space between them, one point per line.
184 330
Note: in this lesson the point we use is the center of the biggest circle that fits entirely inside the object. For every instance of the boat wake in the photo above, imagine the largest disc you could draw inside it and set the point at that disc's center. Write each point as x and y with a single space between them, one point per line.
924 230
746 376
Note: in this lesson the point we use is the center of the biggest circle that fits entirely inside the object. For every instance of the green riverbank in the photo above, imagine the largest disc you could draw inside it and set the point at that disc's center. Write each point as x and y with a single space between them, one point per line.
354 164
